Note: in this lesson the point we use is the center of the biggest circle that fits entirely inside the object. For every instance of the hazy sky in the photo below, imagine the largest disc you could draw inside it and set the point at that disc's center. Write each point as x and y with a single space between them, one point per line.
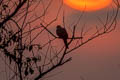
97 60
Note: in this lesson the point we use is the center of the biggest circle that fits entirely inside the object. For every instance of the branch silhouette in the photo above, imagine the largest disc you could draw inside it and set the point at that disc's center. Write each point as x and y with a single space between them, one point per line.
28 43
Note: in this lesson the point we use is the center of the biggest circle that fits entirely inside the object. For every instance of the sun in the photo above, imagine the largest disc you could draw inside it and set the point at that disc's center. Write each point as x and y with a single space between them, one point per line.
88 5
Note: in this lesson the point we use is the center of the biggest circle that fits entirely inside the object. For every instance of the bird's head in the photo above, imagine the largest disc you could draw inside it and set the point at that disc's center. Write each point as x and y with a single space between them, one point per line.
58 27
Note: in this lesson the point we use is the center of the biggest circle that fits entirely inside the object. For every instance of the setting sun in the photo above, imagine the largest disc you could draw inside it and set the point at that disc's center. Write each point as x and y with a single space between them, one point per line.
88 5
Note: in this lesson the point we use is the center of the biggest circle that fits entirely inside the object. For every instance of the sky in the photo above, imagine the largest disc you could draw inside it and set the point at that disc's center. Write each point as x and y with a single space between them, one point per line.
99 59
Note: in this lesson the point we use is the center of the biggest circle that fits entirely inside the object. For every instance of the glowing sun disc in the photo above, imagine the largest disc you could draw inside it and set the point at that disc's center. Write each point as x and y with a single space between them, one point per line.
88 5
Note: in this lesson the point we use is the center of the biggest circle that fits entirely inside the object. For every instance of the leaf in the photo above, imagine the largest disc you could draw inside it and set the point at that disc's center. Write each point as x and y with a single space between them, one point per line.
14 52
30 47
26 71
6 52
31 70
0 38
34 59
14 38
28 59
40 69
39 47
5 6
39 58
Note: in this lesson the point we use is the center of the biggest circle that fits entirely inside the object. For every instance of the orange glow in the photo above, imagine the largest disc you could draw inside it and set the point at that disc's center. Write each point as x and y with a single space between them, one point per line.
88 5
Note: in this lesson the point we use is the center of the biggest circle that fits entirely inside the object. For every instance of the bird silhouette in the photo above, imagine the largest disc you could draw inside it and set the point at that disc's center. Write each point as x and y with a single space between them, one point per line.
62 33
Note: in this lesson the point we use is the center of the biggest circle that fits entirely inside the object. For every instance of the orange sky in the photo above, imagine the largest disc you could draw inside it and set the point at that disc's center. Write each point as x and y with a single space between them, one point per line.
98 59
88 5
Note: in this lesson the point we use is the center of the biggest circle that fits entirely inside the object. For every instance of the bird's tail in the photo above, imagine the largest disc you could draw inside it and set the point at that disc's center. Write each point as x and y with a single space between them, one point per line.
65 42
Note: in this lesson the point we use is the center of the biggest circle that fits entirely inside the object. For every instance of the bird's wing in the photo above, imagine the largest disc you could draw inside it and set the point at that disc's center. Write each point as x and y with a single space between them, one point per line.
62 33
65 34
